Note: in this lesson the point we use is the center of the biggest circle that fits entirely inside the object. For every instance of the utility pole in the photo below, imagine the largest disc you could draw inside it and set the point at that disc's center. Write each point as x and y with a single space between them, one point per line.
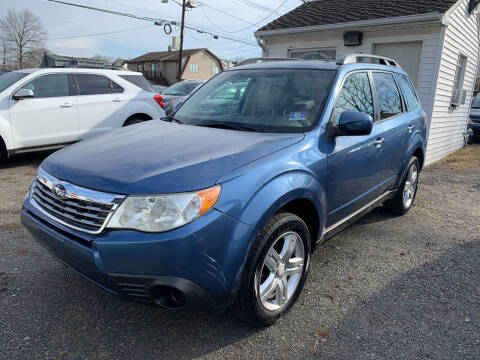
180 52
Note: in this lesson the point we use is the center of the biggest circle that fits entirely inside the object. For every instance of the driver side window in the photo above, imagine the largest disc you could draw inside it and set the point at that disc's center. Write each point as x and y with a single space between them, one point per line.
53 85
356 95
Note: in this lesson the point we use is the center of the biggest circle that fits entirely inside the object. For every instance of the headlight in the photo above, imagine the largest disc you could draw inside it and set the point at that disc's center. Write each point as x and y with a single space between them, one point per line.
163 212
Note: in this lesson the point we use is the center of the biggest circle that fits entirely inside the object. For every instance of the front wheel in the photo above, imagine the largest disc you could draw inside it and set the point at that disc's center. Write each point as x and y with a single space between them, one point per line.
276 270
406 193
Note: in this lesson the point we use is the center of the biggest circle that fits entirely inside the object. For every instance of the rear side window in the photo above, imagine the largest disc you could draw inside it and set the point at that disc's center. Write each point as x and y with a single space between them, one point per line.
388 96
91 84
47 86
116 88
356 95
139 81
408 91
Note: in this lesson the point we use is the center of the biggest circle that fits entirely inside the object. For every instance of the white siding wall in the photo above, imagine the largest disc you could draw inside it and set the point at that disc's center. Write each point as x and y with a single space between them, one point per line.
447 126
279 46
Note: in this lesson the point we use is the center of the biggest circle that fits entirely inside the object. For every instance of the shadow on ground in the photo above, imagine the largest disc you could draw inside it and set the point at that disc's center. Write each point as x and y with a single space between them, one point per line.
432 311
28 159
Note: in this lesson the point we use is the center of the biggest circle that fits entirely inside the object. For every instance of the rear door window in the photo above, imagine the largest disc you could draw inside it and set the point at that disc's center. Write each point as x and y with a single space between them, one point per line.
388 96
408 91
47 86
140 81
356 95
91 84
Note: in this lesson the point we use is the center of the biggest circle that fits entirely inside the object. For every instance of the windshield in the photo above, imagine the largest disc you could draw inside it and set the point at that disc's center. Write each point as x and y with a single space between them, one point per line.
260 100
476 102
8 79
182 88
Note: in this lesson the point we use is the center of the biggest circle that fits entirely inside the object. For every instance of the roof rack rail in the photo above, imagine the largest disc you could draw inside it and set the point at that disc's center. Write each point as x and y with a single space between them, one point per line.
368 58
263 59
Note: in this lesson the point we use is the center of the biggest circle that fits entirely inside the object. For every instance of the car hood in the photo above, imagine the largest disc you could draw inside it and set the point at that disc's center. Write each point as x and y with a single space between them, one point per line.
158 157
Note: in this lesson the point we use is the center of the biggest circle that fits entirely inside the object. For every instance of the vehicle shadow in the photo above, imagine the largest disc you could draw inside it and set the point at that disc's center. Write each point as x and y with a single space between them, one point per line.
377 215
28 159
429 312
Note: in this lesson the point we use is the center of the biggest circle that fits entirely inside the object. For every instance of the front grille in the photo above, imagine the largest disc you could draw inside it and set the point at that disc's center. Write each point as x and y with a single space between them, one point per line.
78 209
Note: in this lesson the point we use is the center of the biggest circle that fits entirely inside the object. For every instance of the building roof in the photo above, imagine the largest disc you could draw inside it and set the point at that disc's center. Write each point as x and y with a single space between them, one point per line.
325 12
165 55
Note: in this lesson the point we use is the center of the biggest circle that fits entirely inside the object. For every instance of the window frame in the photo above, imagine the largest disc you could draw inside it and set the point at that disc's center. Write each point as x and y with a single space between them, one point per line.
460 72
77 86
403 109
194 66
372 91
71 90
406 110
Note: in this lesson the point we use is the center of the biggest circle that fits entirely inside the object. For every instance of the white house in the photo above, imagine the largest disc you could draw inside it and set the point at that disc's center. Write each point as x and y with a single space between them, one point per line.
435 41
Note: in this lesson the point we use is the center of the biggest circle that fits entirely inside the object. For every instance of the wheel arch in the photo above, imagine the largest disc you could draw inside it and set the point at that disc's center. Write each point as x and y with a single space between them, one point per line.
140 115
3 149
415 148
301 194
308 212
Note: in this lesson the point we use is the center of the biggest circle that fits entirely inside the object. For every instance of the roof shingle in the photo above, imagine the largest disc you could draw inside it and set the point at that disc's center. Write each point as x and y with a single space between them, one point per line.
323 12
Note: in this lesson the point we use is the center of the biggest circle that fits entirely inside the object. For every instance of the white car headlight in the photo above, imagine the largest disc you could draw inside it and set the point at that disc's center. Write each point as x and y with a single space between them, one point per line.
158 213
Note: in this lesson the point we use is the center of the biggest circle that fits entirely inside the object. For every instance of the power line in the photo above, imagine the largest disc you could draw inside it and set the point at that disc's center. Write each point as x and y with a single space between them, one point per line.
265 18
100 34
224 12
253 5
243 29
150 19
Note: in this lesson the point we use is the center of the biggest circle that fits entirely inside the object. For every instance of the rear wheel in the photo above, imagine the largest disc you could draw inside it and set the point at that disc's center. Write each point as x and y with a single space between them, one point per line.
405 195
275 271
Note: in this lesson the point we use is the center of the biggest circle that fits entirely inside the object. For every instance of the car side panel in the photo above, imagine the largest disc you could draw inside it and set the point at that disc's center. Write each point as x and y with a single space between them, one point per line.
259 191
5 128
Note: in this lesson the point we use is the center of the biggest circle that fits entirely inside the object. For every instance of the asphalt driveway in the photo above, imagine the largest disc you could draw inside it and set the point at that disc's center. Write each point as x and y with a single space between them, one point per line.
386 288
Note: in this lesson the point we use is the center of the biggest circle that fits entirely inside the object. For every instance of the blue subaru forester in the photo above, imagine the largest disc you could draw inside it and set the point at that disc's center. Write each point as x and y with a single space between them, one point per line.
222 203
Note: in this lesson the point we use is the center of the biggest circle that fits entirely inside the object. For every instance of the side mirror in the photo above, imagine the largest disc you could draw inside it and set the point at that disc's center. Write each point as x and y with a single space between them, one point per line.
23 94
352 123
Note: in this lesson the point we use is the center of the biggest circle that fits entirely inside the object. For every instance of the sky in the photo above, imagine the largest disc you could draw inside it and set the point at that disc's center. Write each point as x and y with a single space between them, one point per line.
74 31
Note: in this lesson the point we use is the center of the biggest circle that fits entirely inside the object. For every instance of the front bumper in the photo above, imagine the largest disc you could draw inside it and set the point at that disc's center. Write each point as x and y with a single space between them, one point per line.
196 266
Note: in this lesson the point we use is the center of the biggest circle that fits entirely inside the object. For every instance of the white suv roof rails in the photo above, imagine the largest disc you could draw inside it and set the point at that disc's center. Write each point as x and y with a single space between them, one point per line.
368 58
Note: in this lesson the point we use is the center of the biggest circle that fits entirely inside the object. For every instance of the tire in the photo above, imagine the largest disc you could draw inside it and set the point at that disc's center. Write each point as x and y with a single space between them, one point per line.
133 121
407 191
287 269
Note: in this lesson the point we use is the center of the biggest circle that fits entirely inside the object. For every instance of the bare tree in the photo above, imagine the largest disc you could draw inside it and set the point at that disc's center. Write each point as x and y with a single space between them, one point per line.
23 33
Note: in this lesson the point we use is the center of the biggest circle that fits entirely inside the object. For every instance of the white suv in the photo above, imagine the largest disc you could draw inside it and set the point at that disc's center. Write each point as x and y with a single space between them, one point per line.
49 108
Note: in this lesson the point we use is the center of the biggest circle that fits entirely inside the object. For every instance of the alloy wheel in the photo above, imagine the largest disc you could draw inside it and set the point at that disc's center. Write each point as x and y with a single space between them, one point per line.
277 279
410 187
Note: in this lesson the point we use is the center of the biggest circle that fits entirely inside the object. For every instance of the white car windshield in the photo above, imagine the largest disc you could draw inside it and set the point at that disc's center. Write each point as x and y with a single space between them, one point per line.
9 79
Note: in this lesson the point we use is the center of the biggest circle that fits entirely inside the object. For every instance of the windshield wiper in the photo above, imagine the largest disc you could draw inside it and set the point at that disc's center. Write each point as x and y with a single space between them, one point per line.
229 127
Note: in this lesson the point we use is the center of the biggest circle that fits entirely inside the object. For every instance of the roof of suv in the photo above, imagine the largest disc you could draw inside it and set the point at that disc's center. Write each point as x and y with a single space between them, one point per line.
79 70
290 64
312 65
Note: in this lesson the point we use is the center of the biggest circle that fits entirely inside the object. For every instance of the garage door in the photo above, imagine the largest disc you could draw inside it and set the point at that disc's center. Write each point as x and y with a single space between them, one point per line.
407 54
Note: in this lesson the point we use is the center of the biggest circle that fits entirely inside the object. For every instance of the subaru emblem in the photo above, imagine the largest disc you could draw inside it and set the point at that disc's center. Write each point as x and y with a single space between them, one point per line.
60 191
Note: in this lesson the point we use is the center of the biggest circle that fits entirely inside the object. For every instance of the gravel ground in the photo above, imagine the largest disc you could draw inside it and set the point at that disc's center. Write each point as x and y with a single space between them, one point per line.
386 288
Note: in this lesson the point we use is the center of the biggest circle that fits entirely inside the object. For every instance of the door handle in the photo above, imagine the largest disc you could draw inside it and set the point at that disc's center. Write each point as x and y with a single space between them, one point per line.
117 100
378 143
66 105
